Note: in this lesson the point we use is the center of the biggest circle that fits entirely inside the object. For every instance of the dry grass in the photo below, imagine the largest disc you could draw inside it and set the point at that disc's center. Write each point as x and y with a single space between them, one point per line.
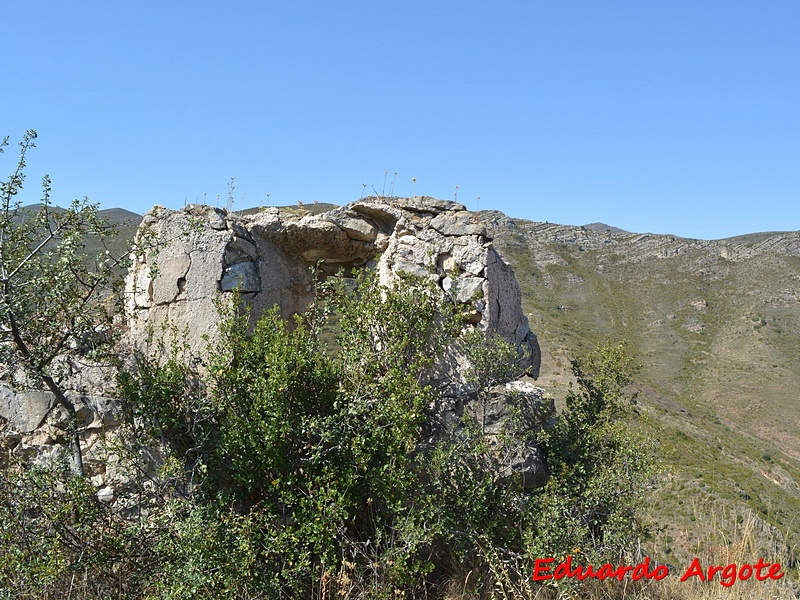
507 581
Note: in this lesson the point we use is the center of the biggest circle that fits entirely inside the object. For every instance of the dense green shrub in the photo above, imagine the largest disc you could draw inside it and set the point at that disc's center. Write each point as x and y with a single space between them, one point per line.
57 540
599 466
313 463
314 452
301 463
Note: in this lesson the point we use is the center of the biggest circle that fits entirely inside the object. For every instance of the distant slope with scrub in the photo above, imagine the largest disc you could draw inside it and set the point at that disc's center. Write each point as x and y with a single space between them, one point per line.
716 326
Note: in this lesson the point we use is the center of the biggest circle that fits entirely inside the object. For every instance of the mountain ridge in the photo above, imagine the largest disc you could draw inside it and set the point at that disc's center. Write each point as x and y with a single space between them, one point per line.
716 327
119 215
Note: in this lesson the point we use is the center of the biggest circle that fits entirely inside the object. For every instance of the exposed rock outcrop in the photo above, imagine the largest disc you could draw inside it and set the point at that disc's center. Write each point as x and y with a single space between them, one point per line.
35 429
507 415
201 251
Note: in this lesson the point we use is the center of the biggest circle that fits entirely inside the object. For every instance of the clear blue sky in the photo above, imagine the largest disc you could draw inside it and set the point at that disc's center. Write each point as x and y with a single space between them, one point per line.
671 117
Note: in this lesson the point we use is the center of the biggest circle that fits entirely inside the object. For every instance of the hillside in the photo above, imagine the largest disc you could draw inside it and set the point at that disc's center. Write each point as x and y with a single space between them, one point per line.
713 323
715 326
124 220
115 216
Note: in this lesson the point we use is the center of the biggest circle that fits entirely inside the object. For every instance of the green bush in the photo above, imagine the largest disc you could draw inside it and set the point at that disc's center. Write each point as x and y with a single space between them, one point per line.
308 467
600 467
55 301
57 540
315 453
317 463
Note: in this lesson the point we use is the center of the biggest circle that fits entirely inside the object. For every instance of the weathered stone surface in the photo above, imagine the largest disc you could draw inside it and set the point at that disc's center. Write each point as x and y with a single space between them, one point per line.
173 265
356 227
270 256
26 410
238 248
526 462
411 268
103 412
9 439
242 276
507 417
214 217
465 288
384 215
460 223
187 253
42 454
532 343
504 301
512 412
105 495
38 430
427 204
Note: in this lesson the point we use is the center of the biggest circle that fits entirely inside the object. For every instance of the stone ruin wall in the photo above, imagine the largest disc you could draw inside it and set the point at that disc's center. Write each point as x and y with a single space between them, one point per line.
202 251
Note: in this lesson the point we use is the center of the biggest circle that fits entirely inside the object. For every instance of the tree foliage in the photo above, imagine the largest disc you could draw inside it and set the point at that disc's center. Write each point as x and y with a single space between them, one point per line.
302 459
314 450
314 444
53 298
58 541
600 467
